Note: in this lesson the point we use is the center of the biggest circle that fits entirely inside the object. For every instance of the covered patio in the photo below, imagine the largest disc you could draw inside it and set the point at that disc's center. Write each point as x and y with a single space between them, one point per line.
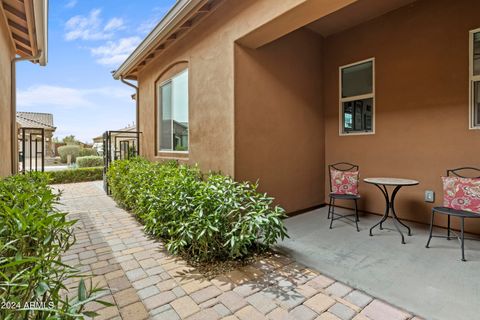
432 283
385 85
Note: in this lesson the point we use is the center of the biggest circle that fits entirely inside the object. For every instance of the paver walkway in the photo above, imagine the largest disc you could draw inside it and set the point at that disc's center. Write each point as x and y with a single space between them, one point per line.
145 282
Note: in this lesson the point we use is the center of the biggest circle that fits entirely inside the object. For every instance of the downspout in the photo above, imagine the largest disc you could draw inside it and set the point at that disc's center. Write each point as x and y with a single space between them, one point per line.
137 106
13 108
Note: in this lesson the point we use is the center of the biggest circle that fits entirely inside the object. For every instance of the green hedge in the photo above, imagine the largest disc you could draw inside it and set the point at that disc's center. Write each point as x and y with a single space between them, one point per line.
33 236
203 217
76 175
69 149
89 161
84 152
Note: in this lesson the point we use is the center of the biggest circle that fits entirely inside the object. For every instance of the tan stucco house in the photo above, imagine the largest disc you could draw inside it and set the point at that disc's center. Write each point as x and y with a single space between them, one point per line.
121 141
33 122
23 36
276 90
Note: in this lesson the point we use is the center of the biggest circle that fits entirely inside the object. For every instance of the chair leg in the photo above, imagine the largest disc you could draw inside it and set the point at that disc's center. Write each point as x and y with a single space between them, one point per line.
329 207
463 239
356 215
356 211
448 228
332 213
431 229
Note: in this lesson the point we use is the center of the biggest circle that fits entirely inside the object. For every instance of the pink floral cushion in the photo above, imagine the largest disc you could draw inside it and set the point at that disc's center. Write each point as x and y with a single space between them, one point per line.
461 193
344 182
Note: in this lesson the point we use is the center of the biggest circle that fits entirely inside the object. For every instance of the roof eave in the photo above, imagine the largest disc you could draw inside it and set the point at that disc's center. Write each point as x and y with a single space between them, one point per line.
41 26
177 13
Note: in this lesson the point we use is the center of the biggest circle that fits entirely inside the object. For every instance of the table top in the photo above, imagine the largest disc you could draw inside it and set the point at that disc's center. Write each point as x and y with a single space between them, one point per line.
391 181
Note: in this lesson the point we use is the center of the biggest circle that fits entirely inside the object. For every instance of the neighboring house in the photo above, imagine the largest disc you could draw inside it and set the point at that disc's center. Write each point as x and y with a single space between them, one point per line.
121 141
23 36
35 121
276 90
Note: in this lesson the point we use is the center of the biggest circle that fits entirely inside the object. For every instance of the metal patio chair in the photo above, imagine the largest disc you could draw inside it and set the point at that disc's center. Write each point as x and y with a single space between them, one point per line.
462 214
332 215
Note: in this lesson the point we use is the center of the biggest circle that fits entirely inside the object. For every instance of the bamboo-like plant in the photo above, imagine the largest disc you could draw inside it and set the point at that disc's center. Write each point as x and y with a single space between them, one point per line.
33 236
203 217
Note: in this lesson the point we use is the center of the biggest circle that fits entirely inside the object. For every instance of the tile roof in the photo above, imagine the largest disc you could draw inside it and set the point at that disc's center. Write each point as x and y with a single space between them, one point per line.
128 128
35 120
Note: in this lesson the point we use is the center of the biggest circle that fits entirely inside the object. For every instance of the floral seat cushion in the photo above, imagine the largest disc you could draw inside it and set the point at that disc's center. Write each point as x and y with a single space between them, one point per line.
344 182
461 193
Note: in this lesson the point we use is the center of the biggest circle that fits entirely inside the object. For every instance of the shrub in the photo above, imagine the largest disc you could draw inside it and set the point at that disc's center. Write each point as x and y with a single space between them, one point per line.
87 152
33 236
89 161
75 175
70 149
204 217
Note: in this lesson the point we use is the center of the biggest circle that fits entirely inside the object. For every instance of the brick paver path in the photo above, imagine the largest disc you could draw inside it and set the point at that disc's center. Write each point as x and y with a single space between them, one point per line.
145 282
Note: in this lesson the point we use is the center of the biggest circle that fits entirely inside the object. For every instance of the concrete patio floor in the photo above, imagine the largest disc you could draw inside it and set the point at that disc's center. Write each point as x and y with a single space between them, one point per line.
432 283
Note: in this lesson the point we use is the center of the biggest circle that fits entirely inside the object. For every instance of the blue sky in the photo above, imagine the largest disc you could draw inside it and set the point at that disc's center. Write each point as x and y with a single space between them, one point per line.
87 40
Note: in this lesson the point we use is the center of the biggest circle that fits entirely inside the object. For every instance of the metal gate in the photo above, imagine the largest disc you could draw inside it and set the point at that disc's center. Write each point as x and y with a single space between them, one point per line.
119 145
31 149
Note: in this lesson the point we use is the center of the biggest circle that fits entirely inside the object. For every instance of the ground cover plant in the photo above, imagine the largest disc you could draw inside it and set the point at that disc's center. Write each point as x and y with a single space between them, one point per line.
204 217
75 175
33 236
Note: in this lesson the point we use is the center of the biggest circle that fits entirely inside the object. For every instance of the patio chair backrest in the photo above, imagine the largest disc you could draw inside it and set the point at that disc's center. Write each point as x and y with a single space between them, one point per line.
340 166
462 192
457 172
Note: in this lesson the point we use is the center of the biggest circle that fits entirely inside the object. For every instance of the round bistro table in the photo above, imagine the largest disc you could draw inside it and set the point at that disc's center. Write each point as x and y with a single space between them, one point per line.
382 184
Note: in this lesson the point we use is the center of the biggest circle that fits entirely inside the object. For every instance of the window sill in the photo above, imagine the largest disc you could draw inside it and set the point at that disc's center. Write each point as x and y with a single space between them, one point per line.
344 134
172 155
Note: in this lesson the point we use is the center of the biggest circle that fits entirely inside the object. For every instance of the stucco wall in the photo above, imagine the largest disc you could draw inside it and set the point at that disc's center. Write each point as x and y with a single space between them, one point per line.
209 50
5 100
279 133
421 61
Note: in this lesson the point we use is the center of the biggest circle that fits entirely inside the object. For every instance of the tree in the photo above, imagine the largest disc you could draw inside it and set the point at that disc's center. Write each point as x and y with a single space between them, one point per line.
70 140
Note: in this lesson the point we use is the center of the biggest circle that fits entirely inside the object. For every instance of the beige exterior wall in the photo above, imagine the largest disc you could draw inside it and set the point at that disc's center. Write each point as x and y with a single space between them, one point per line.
279 132
6 55
421 61
209 51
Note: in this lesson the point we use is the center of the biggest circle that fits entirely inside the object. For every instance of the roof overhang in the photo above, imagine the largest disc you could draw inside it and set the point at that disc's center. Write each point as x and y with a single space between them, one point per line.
184 15
354 14
28 27
41 22
35 120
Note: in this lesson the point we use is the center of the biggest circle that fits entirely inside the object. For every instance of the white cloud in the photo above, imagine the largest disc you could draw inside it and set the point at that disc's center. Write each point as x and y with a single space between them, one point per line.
91 27
65 97
83 112
147 25
52 95
114 24
115 52
71 4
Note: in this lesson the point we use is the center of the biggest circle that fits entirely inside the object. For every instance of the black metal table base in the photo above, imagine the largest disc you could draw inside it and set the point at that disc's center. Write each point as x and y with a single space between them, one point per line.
390 207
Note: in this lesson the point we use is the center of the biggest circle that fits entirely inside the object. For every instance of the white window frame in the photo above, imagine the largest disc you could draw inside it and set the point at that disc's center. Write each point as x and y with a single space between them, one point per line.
359 97
471 79
159 122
